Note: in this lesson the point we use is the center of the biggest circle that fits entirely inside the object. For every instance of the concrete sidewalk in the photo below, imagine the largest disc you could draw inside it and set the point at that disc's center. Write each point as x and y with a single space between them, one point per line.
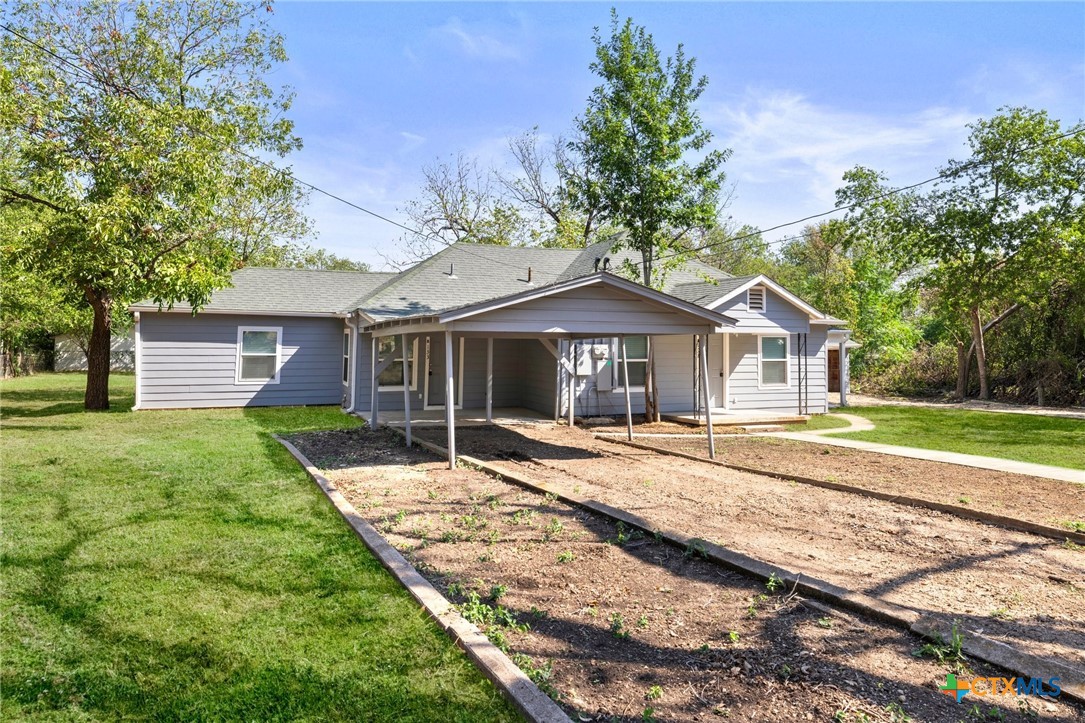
971 405
968 460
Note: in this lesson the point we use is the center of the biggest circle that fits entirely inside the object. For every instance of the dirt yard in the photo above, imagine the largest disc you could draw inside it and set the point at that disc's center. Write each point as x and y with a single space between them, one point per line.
1026 590
1043 501
620 627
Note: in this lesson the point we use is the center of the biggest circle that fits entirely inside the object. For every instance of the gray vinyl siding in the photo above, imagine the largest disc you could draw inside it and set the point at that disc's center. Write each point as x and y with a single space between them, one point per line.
744 390
513 359
779 314
191 361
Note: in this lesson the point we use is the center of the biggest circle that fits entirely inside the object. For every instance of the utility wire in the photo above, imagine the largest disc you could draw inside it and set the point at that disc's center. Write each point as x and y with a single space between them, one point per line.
730 240
286 173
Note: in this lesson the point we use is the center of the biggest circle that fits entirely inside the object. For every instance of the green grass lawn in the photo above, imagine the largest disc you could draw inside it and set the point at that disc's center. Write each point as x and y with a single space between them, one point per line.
1024 437
180 565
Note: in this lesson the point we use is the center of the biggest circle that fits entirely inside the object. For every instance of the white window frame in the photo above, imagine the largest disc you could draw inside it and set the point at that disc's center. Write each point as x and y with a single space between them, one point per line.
348 361
764 300
786 360
412 358
278 354
618 363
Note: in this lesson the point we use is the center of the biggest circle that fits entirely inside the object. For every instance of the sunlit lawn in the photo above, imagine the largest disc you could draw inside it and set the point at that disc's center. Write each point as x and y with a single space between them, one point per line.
180 565
1024 437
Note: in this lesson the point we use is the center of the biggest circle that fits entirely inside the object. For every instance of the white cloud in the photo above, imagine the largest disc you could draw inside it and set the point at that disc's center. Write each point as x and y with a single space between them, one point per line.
477 42
411 141
790 154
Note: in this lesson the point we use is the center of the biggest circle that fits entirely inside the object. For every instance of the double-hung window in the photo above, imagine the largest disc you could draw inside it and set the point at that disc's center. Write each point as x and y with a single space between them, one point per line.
259 354
636 349
390 349
773 361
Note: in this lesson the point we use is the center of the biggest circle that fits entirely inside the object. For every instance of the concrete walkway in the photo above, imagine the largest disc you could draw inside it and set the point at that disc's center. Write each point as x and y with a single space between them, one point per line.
968 460
972 405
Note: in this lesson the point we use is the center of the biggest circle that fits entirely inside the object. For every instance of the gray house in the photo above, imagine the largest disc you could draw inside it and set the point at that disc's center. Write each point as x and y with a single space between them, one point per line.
555 332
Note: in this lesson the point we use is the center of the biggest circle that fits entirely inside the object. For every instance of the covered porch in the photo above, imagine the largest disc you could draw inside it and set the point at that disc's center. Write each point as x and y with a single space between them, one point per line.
598 306
734 418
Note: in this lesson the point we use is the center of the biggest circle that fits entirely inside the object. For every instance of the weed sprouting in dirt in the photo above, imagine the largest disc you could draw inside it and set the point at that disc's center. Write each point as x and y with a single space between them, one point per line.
1073 525
825 622
540 675
565 556
897 714
943 651
696 548
733 636
553 529
524 517
654 693
642 622
774 582
498 591
617 627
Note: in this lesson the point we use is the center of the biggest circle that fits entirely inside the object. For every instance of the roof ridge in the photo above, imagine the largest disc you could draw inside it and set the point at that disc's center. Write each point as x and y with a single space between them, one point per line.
293 269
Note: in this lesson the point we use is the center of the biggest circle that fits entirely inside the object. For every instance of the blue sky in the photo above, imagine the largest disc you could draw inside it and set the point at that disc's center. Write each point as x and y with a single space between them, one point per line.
799 91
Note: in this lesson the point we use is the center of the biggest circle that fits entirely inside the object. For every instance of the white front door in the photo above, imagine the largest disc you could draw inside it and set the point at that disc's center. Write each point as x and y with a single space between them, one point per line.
717 382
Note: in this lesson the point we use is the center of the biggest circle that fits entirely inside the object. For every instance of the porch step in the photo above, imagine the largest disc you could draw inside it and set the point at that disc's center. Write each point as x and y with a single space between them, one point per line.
754 428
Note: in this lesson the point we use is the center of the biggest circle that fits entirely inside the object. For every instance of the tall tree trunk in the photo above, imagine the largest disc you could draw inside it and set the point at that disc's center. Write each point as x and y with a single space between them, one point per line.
651 389
97 394
981 351
963 357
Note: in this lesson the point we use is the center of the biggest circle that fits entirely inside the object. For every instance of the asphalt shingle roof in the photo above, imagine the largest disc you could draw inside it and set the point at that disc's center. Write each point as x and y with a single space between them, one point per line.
460 275
297 291
465 274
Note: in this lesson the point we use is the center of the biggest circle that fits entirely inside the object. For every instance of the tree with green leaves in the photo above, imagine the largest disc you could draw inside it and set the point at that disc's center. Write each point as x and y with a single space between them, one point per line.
637 138
134 131
1000 222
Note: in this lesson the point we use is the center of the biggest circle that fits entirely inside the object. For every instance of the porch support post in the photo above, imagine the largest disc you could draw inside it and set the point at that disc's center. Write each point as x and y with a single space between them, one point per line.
374 395
571 374
628 404
557 388
706 395
726 371
450 401
843 354
489 380
406 391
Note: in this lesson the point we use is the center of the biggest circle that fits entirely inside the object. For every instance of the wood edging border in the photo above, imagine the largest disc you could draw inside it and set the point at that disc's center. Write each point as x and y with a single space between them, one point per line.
512 682
1011 523
975 644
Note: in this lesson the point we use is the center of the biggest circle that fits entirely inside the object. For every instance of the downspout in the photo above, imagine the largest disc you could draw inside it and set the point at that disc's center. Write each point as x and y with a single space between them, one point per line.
136 362
354 328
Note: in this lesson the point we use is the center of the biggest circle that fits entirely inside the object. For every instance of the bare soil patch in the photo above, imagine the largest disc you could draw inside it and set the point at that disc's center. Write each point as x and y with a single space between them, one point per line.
622 627
1034 499
1025 590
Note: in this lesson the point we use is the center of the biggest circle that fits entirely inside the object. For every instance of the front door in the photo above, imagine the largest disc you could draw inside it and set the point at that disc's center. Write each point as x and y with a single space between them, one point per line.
434 387
717 381
834 370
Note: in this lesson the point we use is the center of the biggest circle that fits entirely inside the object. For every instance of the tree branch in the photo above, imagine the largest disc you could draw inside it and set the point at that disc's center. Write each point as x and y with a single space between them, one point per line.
10 194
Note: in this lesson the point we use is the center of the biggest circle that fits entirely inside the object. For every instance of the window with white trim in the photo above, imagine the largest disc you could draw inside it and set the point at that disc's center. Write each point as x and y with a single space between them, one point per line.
259 354
346 356
637 349
755 298
391 378
772 358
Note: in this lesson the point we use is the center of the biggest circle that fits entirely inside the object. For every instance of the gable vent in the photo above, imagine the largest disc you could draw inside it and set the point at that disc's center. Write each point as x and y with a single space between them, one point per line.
755 299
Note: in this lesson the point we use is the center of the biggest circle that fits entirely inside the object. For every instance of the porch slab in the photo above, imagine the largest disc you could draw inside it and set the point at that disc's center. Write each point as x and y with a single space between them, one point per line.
733 418
464 417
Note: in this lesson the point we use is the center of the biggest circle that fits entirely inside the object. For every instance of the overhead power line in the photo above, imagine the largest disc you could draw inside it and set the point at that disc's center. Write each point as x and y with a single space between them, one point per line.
730 240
